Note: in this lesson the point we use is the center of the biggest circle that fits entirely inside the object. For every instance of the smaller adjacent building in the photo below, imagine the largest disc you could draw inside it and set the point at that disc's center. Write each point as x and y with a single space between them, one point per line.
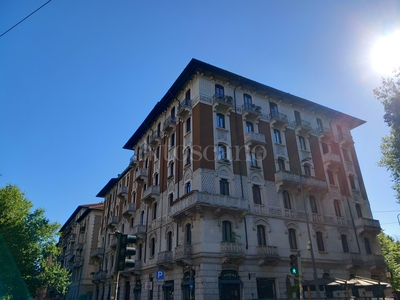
79 237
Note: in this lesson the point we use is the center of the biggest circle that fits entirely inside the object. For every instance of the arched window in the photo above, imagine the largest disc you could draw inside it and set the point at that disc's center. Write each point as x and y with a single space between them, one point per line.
226 231
123 228
156 179
359 211
188 234
169 240
188 154
320 241
292 238
345 245
261 240
286 200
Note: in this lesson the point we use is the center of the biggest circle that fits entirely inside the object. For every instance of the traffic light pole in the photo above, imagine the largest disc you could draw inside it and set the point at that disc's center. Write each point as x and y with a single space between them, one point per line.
300 275
114 291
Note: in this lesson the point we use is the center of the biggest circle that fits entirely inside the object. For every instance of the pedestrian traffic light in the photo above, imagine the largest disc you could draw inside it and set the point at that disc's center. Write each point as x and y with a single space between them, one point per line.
124 250
294 269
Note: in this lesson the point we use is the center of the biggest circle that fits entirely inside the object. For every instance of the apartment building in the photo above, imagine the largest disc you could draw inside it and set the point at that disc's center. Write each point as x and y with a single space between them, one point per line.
79 237
228 178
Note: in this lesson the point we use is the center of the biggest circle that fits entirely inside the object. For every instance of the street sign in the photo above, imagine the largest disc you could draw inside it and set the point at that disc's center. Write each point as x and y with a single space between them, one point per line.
160 274
148 285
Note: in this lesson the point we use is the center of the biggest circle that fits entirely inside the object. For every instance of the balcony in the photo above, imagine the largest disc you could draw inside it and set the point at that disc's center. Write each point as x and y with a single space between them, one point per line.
78 262
197 202
112 222
268 255
183 255
285 180
97 253
253 139
353 260
136 270
375 262
222 103
344 140
251 112
324 134
169 124
138 230
141 175
100 276
331 161
151 194
133 162
302 127
232 253
122 192
278 120
155 139
185 108
129 210
164 260
367 225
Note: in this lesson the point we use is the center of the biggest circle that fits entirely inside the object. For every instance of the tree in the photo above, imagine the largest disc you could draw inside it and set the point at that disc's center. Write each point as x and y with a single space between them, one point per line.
391 252
389 95
27 246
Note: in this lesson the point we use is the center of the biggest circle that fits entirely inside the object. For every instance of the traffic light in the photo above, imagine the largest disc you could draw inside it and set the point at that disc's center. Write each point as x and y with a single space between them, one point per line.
294 269
123 250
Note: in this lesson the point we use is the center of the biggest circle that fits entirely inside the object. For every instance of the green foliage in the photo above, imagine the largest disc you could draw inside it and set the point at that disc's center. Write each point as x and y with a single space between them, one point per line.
391 252
27 242
389 95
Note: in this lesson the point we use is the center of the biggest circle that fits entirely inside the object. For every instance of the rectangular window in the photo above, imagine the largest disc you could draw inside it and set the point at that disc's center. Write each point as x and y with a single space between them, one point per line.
170 198
224 187
302 143
277 136
292 239
313 205
226 231
345 155
172 140
222 154
320 241
220 120
330 177
256 194
261 241
325 148
336 205
249 127
188 125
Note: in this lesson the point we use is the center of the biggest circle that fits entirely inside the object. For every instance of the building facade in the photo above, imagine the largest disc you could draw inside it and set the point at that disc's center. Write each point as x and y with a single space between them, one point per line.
79 237
228 178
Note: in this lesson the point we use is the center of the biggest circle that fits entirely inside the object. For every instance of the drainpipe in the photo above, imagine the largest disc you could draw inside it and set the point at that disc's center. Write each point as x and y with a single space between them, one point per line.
240 161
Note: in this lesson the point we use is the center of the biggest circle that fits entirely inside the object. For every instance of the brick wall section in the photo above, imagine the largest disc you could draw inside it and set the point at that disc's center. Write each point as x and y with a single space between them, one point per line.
203 134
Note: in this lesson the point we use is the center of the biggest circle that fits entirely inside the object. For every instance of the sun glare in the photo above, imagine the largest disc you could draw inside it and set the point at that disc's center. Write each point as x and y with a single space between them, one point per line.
385 54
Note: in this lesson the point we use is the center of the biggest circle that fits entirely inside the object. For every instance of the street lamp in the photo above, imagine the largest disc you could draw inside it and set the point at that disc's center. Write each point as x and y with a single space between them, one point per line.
309 233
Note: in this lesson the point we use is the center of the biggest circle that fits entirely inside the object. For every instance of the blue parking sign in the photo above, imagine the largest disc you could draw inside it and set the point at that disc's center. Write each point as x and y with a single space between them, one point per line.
160 274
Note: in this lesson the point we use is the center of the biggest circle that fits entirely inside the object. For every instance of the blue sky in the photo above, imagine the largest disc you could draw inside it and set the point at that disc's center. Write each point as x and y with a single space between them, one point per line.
78 77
